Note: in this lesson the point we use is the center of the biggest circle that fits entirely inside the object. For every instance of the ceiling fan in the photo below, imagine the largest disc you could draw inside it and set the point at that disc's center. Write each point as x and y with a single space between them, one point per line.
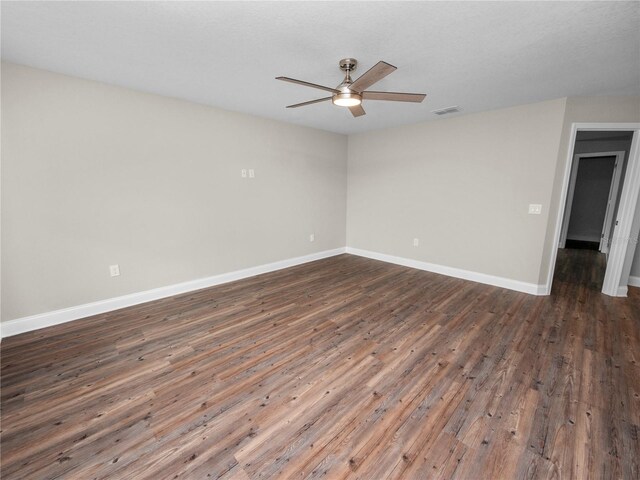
351 93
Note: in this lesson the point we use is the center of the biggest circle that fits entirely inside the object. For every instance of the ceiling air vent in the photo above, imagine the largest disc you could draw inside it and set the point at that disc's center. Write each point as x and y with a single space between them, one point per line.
446 111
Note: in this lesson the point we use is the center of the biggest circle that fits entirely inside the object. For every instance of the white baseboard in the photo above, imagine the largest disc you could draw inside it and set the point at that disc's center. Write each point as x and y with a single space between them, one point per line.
634 281
622 291
516 285
48 319
585 238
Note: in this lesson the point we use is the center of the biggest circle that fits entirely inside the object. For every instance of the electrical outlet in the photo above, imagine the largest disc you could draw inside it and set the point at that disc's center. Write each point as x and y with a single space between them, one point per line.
535 209
416 242
114 270
252 173
312 237
243 173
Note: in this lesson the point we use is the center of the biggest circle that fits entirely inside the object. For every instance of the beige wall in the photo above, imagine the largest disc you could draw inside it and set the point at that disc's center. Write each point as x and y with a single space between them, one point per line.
582 110
94 175
462 186
633 269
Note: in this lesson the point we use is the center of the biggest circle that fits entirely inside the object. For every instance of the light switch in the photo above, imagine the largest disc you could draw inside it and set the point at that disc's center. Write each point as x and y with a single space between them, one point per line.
535 209
243 173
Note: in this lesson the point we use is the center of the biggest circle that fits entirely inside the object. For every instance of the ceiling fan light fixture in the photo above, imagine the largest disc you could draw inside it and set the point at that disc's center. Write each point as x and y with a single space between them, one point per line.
347 99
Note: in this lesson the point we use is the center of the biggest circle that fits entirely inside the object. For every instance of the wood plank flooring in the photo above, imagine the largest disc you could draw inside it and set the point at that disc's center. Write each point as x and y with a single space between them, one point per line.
341 368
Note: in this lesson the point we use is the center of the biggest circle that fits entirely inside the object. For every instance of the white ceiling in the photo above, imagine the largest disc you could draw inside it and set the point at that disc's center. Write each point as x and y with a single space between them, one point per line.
479 55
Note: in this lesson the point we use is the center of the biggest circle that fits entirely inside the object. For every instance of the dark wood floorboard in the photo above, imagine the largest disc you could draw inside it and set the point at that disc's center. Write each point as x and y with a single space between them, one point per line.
342 368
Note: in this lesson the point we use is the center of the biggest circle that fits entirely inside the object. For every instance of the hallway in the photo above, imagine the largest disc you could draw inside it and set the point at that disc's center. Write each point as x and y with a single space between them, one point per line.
579 267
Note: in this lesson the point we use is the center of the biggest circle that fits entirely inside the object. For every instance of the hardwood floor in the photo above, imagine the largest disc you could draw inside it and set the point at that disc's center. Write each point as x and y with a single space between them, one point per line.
341 368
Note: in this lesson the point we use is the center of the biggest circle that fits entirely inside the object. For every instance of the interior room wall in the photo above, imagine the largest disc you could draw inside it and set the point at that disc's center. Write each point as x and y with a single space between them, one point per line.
622 144
635 265
462 186
602 109
591 194
631 267
95 175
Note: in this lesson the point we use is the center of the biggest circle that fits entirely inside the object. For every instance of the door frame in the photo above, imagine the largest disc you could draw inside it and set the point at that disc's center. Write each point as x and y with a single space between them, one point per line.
575 165
611 204
626 209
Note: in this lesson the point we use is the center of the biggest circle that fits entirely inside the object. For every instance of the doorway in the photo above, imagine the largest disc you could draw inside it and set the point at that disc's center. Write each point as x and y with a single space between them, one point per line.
590 141
592 198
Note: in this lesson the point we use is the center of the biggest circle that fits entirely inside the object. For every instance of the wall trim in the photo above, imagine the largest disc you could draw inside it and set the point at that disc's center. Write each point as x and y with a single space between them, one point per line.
634 281
48 319
493 280
584 238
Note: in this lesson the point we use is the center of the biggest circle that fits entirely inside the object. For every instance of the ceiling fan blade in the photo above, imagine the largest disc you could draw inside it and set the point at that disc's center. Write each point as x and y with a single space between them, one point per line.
394 96
308 84
357 111
371 76
310 102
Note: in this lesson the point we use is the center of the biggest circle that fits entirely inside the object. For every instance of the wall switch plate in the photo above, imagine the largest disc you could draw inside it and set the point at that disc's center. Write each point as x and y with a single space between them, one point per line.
535 209
243 173
416 242
252 173
114 270
312 237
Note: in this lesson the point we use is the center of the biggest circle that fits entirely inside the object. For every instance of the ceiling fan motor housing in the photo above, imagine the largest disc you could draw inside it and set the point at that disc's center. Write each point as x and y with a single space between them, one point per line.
347 97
